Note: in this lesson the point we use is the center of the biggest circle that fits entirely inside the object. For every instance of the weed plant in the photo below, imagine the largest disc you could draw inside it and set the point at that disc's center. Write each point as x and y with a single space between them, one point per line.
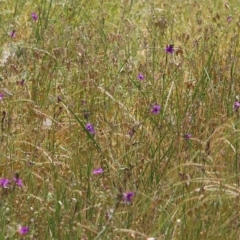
119 119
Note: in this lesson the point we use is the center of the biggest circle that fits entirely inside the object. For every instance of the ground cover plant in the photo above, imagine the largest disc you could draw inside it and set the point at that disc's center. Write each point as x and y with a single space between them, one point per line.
119 119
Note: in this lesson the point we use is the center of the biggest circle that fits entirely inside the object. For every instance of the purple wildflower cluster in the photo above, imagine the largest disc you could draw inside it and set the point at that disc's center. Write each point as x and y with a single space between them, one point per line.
34 16
4 182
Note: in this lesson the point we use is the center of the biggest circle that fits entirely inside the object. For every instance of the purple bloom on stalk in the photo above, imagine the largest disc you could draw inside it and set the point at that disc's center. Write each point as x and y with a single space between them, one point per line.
4 182
229 19
236 106
1 96
155 109
22 82
34 17
128 197
59 99
188 136
18 181
131 133
12 34
140 77
23 230
170 49
86 115
90 128
97 171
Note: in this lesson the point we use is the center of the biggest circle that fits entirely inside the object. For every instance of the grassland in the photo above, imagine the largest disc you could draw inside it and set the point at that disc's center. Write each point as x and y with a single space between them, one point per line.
119 119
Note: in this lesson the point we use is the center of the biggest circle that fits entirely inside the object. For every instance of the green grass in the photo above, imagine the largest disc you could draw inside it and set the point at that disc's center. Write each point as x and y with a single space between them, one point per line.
80 63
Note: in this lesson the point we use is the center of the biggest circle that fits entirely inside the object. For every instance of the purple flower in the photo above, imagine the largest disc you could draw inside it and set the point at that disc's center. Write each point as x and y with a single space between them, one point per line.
97 171
236 106
90 128
188 135
23 230
22 82
18 181
229 19
155 109
128 197
86 115
4 182
12 34
170 49
1 96
131 133
59 99
34 17
140 77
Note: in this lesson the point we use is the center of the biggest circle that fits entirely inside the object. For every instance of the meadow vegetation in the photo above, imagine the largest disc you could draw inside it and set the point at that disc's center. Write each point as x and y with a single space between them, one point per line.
119 119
